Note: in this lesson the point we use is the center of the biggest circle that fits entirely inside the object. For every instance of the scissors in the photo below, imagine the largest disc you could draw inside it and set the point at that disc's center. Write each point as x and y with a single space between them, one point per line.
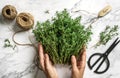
103 58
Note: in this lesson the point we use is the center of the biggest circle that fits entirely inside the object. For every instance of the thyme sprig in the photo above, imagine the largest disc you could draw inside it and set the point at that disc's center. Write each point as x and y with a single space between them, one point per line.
7 43
107 35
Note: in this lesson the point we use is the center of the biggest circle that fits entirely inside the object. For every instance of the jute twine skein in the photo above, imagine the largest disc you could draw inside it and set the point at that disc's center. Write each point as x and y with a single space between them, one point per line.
9 12
25 20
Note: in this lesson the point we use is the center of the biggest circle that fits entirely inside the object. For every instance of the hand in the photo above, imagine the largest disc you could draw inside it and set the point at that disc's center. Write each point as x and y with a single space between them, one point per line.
78 67
46 64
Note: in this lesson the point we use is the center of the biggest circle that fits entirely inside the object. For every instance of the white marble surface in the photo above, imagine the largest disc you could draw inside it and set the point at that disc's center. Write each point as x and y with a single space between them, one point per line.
19 63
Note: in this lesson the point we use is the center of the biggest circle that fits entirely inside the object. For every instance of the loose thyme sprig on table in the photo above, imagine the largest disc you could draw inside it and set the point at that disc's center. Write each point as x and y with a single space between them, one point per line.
62 37
8 44
107 35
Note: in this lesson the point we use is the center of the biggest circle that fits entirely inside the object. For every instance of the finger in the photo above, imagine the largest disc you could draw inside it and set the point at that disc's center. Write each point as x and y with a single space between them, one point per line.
81 52
41 56
82 62
47 62
50 69
74 63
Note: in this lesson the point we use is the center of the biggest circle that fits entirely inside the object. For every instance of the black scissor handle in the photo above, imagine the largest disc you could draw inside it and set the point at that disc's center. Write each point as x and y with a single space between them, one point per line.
103 71
104 59
89 60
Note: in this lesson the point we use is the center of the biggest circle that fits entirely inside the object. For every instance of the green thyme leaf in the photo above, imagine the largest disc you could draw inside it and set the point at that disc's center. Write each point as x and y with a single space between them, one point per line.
47 11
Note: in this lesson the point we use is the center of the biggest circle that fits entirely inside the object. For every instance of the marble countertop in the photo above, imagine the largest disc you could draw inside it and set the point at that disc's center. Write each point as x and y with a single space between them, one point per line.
19 63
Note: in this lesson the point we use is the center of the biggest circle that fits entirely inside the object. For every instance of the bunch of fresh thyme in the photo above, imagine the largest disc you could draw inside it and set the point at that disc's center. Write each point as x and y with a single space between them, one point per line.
62 37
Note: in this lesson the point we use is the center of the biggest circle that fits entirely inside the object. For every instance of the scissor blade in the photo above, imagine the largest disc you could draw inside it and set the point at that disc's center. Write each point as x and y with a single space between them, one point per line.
112 46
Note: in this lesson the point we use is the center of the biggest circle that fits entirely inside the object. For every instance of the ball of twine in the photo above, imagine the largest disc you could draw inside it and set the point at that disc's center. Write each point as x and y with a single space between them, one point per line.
25 20
9 12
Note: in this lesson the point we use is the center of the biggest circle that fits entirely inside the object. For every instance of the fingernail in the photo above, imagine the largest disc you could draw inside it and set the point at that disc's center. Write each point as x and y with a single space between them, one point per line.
46 55
72 56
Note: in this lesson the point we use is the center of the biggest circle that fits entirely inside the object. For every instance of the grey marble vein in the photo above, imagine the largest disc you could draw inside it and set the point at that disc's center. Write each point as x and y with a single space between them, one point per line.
15 74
